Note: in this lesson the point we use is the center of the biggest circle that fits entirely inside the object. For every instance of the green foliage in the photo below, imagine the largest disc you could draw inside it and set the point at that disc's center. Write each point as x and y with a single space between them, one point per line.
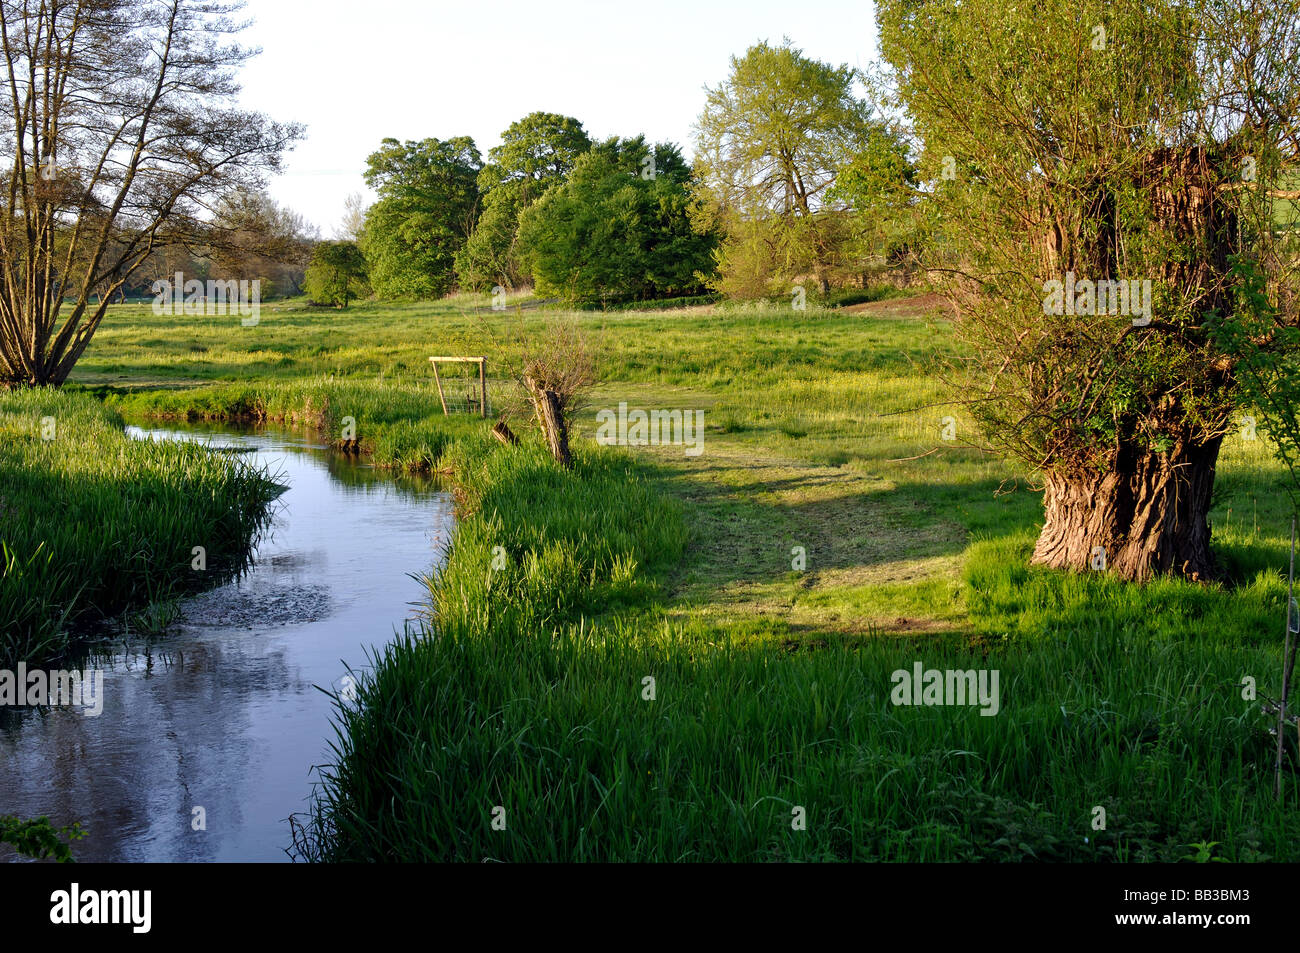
658 304
527 686
619 227
1267 355
400 424
744 351
536 153
771 142
881 186
1204 853
337 273
39 839
490 257
772 692
411 250
428 203
1020 197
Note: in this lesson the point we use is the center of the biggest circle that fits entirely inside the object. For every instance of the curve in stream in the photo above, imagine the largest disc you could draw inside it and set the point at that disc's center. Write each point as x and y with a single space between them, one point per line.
223 713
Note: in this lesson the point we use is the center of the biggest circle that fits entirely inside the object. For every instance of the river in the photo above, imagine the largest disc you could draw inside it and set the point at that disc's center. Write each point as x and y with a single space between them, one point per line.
221 720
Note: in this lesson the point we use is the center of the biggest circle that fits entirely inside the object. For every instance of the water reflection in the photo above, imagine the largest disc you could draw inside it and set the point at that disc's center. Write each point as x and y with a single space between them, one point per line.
224 714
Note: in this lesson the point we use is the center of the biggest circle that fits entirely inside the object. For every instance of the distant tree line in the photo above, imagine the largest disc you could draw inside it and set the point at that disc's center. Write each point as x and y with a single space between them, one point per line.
249 238
795 180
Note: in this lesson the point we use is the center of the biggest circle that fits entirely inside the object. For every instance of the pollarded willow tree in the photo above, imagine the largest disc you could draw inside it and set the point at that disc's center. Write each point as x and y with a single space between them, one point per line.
1105 186
122 131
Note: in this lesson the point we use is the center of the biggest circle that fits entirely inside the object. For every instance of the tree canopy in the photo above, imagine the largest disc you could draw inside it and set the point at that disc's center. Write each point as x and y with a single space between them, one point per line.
99 183
428 204
536 153
252 237
770 143
538 150
619 227
337 273
1102 179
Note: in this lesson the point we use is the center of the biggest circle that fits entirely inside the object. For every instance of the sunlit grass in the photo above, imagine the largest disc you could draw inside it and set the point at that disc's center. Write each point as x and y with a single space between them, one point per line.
558 693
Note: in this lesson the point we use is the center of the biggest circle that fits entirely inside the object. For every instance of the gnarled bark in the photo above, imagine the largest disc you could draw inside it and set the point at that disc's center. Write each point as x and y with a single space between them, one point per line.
1147 515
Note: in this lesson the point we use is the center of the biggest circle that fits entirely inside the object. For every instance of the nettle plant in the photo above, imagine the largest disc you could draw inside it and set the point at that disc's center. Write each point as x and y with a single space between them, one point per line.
1076 150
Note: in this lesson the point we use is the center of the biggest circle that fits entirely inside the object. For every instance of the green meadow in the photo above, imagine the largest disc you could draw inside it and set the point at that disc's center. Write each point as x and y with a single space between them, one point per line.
660 656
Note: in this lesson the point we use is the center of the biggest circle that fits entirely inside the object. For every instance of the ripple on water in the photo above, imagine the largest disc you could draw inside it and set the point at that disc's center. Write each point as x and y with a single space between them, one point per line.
225 711
236 608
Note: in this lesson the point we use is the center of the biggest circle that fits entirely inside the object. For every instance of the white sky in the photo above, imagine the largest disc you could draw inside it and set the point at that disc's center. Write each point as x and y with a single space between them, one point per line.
357 72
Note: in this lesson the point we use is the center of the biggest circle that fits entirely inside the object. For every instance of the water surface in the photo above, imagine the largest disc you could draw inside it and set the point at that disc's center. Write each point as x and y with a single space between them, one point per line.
223 713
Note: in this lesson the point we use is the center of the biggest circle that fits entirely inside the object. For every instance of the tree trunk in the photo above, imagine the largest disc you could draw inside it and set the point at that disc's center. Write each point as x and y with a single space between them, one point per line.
503 433
550 414
1147 515
557 430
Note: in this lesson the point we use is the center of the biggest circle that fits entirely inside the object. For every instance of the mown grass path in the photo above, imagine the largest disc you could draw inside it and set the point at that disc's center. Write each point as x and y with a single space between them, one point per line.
862 539
824 429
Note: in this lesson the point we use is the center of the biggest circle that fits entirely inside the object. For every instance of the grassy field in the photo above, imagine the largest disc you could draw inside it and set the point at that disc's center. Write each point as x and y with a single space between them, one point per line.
824 435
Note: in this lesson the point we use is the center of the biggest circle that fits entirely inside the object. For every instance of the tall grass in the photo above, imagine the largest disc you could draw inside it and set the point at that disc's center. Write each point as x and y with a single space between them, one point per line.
525 690
94 523
526 694
760 345
554 729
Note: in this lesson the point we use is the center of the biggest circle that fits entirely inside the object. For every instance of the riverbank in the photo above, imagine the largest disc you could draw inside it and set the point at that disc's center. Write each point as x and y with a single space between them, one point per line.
530 723
94 524
223 712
